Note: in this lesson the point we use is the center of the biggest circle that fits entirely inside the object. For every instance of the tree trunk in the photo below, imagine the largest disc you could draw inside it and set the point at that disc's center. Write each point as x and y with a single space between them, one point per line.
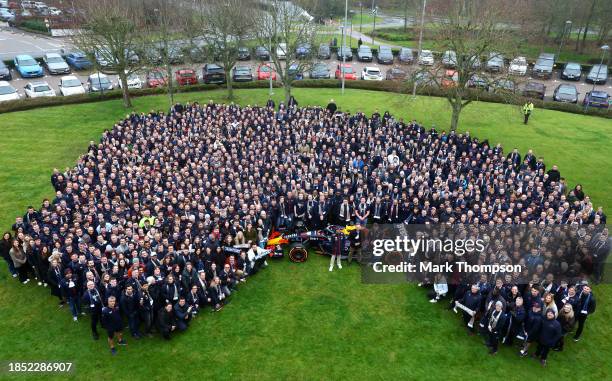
228 83
578 39
586 27
169 85
457 106
405 15
127 101
287 88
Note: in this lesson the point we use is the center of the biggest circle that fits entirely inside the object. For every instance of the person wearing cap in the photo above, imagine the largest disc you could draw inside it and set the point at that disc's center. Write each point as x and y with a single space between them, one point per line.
533 326
550 333
70 293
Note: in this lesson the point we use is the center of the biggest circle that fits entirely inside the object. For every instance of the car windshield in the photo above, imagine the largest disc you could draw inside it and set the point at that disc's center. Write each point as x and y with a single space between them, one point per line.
243 70
55 59
519 61
347 70
265 69
426 54
41 88
215 69
599 97
186 74
320 67
572 66
373 72
133 77
567 90
4 90
365 49
71 83
345 50
156 75
28 62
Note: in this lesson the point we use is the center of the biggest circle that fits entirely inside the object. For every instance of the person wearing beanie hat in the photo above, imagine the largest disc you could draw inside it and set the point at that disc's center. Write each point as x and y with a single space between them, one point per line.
496 320
549 336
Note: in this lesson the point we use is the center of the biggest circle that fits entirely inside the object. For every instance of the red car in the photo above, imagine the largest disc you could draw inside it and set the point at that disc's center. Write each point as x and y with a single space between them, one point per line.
349 73
263 72
186 77
156 78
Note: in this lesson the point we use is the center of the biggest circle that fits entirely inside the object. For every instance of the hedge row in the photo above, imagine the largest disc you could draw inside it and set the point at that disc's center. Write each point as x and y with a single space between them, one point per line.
389 86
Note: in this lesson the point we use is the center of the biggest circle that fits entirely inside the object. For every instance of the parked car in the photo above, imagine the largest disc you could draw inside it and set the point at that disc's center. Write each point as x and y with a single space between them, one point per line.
8 92
396 73
186 77
133 82
423 78
70 85
52 11
475 61
406 55
426 58
295 71
566 93
264 71
544 65
385 55
55 64
534 90
242 73
38 90
213 73
281 51
477 81
262 54
324 52
518 66
7 15
27 66
78 61
572 71
302 51
5 72
244 54
598 74
449 59
450 79
504 86
364 54
347 70
371 73
99 82
495 63
320 71
595 99
344 52
155 78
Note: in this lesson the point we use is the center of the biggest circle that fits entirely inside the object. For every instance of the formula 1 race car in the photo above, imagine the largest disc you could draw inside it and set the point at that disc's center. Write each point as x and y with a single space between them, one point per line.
319 241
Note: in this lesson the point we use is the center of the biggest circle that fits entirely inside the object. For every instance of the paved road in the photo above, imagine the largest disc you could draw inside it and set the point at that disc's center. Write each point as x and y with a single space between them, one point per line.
14 42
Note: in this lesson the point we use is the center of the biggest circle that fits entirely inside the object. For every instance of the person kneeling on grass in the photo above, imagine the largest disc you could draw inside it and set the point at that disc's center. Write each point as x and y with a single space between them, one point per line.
112 322
166 320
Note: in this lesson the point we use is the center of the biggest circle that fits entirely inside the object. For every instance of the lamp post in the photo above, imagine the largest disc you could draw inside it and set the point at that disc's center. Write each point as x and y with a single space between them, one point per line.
360 16
604 50
270 93
566 26
414 85
344 43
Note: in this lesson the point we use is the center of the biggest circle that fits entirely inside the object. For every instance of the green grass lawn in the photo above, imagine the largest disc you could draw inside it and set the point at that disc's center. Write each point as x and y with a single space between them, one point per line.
296 321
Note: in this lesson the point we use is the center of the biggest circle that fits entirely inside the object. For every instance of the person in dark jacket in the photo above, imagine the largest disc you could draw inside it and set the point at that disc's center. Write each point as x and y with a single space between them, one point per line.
5 247
147 307
171 290
586 306
471 300
130 306
568 321
70 293
516 320
549 336
496 321
166 321
331 107
183 313
113 324
533 325
54 276
93 299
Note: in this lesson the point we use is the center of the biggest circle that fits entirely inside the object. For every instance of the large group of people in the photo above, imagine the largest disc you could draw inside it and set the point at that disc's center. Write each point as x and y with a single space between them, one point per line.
164 217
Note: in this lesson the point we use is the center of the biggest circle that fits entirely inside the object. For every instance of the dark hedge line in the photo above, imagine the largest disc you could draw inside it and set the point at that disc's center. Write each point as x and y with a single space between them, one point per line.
389 86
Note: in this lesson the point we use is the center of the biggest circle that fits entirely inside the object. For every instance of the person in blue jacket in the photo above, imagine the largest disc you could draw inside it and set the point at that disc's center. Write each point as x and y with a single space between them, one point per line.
550 333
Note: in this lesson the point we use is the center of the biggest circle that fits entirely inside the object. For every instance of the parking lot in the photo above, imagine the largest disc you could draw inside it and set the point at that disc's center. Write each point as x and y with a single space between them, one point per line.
39 46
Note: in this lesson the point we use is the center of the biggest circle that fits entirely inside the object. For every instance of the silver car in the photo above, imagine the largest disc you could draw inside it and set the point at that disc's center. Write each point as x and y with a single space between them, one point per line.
55 64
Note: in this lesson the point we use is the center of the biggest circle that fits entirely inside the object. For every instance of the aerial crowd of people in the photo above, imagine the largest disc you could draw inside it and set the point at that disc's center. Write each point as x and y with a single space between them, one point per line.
166 215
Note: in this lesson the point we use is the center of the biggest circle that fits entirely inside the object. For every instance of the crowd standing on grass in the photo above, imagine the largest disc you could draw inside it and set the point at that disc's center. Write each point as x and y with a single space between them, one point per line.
143 229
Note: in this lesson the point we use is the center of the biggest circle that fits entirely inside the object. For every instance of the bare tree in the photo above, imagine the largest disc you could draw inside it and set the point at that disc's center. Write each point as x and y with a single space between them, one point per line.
108 33
223 25
283 27
472 31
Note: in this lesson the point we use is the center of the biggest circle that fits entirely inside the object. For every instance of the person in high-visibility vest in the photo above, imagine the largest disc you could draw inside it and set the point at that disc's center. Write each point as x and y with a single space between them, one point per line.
527 109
